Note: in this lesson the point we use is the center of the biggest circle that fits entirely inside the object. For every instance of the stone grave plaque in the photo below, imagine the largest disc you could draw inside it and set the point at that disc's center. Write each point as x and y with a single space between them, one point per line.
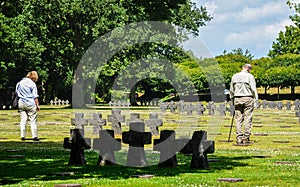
67 185
142 176
230 179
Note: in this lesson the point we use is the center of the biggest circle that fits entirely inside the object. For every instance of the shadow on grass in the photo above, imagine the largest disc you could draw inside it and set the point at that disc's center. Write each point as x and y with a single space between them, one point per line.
48 161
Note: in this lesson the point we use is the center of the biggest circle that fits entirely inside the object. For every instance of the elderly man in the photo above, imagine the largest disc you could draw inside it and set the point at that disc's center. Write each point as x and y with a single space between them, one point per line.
244 96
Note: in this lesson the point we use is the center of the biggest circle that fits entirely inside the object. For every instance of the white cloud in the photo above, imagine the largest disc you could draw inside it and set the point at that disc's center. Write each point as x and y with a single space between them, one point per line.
256 38
269 9
252 24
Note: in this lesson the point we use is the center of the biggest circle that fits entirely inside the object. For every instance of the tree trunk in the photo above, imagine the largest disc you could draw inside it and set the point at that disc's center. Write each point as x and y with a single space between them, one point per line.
292 89
133 96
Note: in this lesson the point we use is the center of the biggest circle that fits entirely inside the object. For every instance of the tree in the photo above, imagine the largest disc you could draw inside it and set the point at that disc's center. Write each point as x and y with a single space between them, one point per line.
51 37
288 41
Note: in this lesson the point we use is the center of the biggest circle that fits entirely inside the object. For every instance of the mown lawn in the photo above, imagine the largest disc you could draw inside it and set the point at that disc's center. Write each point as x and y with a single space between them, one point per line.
273 159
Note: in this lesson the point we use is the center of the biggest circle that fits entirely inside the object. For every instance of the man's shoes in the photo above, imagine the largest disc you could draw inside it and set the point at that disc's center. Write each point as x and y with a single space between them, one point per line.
23 139
36 139
239 141
247 141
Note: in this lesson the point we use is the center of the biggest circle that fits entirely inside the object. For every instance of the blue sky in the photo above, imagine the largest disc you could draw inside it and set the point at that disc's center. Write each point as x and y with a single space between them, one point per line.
246 24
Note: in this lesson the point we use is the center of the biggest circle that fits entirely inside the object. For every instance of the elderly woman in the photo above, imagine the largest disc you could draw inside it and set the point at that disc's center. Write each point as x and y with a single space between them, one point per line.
28 104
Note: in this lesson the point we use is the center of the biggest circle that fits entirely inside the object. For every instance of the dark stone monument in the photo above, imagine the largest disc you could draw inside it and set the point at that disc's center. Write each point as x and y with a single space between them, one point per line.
154 123
77 144
136 137
167 146
79 122
97 122
106 145
199 147
116 118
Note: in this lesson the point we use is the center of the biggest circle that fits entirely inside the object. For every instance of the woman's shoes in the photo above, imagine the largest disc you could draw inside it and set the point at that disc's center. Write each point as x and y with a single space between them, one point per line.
36 139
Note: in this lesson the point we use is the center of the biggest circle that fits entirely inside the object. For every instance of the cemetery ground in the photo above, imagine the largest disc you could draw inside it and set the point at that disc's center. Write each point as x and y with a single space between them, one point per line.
272 160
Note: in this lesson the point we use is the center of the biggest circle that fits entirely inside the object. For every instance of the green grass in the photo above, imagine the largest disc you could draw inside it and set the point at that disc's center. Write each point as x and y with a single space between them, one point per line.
265 163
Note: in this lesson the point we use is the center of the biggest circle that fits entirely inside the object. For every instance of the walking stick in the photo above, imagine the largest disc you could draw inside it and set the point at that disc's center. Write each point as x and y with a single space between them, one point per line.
231 126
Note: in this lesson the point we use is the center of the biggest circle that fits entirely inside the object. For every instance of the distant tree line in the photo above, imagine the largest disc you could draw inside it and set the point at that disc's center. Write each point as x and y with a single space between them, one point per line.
51 37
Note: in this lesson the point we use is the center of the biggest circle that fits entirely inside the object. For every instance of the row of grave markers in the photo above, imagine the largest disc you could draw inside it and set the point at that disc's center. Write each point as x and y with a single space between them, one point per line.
211 107
59 102
198 146
115 118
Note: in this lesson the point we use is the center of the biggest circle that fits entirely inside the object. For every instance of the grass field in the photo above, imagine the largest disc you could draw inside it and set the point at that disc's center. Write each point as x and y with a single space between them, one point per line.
273 159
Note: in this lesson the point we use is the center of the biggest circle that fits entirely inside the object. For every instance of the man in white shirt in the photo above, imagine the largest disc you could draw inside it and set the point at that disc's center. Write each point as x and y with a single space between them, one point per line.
244 96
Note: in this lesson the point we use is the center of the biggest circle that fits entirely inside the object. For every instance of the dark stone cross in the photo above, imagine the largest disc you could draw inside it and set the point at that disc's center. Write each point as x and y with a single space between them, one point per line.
136 137
199 147
77 143
116 118
106 145
154 123
167 146
79 122
97 122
